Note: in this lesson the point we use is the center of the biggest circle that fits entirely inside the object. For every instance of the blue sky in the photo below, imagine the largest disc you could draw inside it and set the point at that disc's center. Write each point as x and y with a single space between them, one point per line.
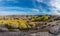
28 7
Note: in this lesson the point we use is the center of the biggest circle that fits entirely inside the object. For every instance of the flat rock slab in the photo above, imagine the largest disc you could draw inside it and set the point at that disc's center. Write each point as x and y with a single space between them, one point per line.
9 33
23 34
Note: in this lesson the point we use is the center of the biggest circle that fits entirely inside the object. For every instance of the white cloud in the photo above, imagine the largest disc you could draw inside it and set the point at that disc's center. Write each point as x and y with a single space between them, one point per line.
11 13
19 8
35 10
7 0
55 4
54 13
43 1
1 0
39 0
15 1
17 13
14 11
